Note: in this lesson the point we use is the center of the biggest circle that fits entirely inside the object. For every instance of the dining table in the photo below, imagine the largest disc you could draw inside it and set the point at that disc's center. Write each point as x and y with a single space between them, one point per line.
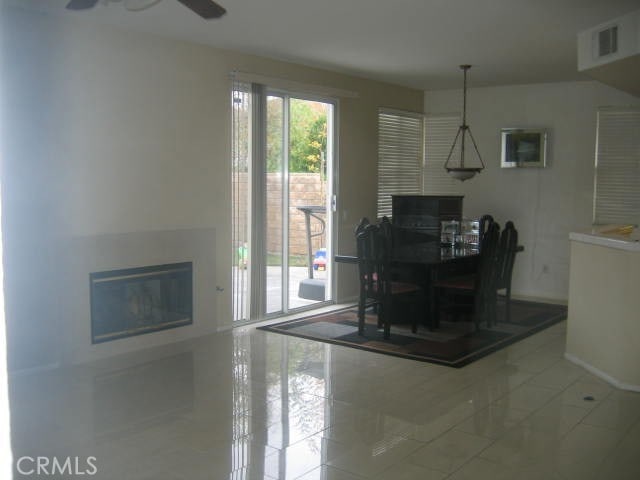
424 260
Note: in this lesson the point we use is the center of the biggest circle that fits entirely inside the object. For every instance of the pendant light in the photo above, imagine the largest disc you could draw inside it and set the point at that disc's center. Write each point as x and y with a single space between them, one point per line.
460 171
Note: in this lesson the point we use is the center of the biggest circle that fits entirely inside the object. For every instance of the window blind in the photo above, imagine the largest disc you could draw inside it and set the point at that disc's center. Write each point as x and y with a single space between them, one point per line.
440 131
400 156
617 178
241 159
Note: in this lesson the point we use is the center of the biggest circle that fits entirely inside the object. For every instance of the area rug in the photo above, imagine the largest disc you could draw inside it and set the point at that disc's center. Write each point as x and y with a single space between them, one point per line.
455 343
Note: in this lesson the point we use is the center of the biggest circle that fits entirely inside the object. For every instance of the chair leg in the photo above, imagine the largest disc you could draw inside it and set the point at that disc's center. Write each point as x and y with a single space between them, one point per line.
382 320
387 330
417 315
479 311
384 316
508 304
361 307
492 310
434 318
495 318
486 311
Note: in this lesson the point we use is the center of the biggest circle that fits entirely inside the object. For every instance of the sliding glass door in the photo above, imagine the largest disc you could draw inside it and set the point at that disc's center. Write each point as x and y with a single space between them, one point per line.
288 214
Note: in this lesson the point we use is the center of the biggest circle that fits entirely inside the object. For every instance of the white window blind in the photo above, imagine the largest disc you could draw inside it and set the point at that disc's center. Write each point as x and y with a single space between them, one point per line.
439 132
617 180
400 156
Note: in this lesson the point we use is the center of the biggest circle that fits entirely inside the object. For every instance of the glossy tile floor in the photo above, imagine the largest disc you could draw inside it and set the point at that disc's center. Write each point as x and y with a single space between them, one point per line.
254 405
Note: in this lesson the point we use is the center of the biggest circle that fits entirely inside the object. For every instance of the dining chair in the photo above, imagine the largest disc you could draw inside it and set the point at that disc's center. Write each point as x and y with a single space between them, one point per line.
481 286
506 259
387 229
484 223
364 221
373 245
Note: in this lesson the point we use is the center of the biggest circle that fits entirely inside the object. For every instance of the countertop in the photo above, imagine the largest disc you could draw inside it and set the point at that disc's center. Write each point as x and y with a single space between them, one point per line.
621 237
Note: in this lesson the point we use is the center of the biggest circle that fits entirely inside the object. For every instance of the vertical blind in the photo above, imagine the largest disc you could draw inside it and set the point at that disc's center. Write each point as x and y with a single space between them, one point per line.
440 131
400 154
241 107
617 179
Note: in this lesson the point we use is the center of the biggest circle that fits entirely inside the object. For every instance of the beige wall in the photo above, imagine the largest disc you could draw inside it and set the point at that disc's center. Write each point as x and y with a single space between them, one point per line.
545 204
603 332
111 132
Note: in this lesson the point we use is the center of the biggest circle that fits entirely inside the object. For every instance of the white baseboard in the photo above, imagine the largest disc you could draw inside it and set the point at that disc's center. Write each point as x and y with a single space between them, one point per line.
530 298
600 374
349 300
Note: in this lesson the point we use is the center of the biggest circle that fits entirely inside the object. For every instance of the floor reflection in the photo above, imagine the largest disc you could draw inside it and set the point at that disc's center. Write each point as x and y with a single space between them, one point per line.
249 404
280 398
132 398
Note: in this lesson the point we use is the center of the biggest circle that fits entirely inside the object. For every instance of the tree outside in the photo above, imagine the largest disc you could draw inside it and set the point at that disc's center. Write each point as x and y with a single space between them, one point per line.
307 136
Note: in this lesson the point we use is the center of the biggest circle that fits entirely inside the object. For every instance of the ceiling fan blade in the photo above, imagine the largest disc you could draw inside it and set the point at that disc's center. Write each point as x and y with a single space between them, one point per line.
81 4
205 8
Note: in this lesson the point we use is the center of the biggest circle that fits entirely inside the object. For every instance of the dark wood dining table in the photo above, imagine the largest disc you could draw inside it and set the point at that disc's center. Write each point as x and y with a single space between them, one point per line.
424 262
427 253
422 259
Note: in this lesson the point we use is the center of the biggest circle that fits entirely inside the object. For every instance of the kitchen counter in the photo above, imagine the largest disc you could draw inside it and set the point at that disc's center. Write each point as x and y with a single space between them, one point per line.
603 326
619 237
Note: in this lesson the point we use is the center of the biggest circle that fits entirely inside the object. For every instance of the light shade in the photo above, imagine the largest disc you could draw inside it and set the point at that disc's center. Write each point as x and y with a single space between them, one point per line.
463 174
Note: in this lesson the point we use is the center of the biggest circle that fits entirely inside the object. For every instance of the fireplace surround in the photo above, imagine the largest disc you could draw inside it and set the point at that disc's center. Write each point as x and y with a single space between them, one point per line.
82 255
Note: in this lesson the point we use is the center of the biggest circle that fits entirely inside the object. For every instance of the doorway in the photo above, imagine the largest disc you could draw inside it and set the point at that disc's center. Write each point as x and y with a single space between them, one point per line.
284 148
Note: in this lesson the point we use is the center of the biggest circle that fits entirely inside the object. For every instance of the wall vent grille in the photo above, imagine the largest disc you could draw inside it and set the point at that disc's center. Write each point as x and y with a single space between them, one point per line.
608 41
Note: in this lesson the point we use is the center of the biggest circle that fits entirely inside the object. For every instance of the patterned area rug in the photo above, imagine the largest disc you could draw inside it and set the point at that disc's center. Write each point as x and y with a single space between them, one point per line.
455 343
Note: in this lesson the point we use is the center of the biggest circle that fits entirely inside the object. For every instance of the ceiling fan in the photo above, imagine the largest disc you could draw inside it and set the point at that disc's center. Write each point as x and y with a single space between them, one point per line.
207 9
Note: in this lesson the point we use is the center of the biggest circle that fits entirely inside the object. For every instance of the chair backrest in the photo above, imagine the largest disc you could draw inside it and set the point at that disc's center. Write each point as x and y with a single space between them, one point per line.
364 221
386 229
488 267
373 260
506 255
485 222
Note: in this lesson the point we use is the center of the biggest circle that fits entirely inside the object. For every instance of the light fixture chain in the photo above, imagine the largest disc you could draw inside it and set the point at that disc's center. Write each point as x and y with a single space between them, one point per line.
464 95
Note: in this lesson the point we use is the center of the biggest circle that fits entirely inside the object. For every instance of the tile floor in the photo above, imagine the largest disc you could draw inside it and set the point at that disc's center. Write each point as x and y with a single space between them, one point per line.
247 405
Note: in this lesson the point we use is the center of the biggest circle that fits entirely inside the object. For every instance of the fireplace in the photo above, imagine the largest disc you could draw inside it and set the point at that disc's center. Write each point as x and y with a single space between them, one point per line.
135 301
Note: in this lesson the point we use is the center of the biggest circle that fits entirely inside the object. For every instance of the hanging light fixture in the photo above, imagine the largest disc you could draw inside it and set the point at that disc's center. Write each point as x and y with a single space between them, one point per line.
461 171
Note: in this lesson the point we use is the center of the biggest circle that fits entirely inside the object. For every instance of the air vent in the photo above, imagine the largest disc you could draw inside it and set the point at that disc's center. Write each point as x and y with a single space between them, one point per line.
610 52
608 41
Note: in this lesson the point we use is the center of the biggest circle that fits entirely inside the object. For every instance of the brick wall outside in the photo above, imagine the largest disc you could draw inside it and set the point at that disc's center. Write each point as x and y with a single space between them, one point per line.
304 189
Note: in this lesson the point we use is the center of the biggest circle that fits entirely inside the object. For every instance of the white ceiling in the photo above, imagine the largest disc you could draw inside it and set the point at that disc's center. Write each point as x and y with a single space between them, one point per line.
416 43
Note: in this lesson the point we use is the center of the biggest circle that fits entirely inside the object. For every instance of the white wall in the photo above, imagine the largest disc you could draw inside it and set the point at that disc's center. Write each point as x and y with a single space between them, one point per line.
108 132
545 204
